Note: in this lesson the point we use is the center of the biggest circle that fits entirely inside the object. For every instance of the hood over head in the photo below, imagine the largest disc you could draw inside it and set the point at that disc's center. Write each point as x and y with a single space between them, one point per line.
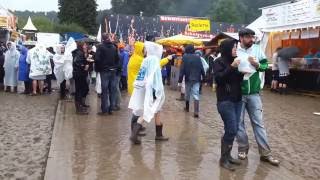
226 47
153 49
189 49
138 49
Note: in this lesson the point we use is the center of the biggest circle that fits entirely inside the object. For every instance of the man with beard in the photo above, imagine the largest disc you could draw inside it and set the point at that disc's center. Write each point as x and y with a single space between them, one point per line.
252 62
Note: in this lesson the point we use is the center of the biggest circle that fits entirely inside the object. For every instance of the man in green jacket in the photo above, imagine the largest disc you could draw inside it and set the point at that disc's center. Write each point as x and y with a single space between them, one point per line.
254 63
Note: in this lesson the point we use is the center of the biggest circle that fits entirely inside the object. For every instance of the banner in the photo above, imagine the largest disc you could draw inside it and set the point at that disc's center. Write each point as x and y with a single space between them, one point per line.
199 25
3 22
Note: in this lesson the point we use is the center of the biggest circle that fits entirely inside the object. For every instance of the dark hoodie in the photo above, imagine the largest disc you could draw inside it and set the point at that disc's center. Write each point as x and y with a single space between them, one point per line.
107 58
228 79
191 67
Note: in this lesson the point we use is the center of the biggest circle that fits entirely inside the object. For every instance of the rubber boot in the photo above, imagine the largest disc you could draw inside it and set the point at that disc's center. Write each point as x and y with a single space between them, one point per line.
134 120
181 97
186 109
79 109
83 102
231 159
134 133
159 135
224 161
196 109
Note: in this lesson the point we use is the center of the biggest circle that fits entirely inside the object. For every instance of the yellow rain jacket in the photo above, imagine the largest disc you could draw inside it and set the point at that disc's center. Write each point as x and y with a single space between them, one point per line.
135 64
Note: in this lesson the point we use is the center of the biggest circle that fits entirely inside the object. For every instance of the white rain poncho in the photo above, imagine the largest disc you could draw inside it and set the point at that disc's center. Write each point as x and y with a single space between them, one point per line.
10 65
39 60
63 62
149 84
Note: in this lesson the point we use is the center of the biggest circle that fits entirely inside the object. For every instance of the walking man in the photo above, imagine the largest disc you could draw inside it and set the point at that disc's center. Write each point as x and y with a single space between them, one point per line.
252 62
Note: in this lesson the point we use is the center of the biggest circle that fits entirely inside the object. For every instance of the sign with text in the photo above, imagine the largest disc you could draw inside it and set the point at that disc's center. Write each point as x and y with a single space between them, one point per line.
197 25
303 11
3 22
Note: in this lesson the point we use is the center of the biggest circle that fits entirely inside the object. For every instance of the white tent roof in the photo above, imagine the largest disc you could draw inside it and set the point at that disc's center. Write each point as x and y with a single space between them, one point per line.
256 26
291 27
29 26
5 12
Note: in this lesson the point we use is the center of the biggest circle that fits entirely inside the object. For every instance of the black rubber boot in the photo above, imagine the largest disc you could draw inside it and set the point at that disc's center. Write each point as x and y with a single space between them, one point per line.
181 97
134 120
80 109
224 159
196 109
186 109
159 135
83 103
134 133
231 159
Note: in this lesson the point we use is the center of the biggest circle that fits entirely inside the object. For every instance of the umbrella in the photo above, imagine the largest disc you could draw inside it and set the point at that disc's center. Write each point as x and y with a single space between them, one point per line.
288 53
87 40
179 40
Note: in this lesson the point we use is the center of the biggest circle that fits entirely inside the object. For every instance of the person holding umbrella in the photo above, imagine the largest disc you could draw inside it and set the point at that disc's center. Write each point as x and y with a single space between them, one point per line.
284 57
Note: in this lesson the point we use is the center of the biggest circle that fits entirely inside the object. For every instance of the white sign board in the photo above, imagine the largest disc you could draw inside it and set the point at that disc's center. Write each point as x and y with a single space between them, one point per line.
303 11
48 39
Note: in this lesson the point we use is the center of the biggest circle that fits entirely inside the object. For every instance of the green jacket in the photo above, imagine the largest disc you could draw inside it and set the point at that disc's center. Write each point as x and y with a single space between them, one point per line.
254 84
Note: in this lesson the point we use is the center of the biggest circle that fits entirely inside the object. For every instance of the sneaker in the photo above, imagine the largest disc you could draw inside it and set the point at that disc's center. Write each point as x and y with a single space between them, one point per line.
242 155
271 160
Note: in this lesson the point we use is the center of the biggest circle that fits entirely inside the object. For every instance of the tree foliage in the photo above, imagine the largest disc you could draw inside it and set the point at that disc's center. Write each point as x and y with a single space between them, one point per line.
82 12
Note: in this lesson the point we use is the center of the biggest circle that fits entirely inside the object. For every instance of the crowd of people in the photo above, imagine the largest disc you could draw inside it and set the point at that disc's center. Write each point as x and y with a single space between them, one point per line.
235 73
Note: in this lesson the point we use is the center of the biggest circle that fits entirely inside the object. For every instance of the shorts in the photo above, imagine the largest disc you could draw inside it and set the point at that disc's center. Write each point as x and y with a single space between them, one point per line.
275 75
283 79
39 78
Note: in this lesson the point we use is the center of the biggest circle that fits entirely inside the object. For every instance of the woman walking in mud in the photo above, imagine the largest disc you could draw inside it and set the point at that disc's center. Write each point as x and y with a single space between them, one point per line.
228 91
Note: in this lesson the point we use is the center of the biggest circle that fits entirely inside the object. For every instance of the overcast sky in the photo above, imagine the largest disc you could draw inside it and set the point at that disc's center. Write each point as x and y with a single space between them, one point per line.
43 5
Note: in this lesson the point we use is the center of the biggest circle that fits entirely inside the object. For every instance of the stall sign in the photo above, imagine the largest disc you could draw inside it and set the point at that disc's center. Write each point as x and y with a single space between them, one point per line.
3 22
295 35
285 36
200 25
299 12
314 33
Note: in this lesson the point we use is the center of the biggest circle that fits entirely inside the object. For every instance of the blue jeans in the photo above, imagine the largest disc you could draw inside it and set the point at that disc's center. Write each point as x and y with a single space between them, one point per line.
230 114
253 105
192 89
117 92
108 87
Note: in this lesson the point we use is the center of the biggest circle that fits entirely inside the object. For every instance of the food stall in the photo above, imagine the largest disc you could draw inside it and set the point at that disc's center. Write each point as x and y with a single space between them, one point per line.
175 44
295 23
7 25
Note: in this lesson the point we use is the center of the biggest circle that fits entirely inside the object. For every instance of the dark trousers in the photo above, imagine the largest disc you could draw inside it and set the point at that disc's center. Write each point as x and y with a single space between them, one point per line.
48 82
108 87
230 113
27 87
82 87
63 90
124 83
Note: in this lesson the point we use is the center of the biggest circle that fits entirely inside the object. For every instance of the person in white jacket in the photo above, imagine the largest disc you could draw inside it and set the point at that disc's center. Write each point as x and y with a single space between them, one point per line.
148 95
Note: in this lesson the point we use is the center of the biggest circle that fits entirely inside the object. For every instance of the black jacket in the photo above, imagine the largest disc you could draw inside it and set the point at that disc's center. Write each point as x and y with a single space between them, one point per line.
191 67
228 79
107 58
79 63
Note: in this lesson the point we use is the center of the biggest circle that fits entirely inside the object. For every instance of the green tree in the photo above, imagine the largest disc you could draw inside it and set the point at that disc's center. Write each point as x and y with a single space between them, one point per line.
82 12
231 11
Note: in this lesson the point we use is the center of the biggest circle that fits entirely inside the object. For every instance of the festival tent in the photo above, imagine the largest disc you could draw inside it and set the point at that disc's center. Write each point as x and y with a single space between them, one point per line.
29 26
180 40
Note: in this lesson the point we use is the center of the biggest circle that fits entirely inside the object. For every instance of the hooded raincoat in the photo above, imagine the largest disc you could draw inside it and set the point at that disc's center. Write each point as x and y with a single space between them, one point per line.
24 68
39 60
148 94
135 64
11 64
